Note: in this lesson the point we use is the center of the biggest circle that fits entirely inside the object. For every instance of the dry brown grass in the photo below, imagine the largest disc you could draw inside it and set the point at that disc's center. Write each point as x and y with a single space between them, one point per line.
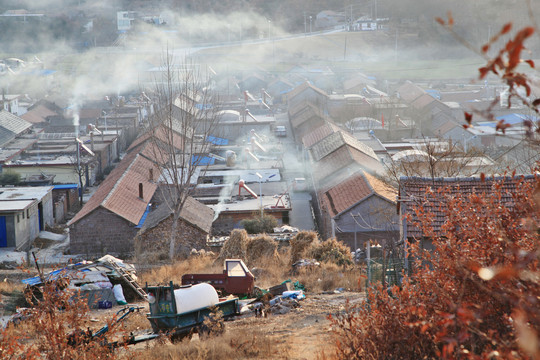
331 251
236 246
241 344
328 277
301 243
261 247
174 272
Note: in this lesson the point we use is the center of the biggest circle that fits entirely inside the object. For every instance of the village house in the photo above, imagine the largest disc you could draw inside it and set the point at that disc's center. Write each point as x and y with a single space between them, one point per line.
432 194
192 232
24 212
118 206
338 156
360 208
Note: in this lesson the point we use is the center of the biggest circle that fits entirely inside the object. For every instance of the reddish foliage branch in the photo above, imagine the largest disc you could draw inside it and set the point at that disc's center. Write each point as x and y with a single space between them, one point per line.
477 296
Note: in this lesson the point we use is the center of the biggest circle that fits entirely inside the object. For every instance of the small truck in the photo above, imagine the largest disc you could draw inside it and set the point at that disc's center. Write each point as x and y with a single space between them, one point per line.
236 278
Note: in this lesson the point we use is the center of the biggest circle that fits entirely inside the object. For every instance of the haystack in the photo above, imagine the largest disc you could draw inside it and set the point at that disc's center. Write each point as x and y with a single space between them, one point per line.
261 247
236 246
331 251
300 243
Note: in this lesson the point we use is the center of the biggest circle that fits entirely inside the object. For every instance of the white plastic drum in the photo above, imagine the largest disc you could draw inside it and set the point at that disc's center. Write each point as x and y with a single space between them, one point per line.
195 297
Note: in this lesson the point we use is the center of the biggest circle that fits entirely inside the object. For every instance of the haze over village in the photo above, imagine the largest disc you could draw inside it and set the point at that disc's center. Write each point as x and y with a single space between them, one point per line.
152 131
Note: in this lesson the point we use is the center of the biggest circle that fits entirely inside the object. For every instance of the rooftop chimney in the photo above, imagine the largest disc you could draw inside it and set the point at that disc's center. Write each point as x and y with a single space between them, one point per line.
151 174
141 191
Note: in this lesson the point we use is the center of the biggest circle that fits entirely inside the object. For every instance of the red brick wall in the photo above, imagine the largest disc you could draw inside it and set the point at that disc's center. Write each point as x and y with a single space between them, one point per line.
102 232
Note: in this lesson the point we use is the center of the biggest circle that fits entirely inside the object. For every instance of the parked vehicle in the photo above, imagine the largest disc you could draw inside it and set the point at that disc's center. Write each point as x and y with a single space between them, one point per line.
280 131
166 314
236 278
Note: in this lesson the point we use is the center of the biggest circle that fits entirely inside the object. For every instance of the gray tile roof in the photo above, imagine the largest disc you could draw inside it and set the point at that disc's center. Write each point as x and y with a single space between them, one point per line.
11 126
336 140
193 212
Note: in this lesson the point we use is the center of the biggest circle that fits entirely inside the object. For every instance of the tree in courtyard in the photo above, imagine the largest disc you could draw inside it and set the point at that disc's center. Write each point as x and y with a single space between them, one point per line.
181 131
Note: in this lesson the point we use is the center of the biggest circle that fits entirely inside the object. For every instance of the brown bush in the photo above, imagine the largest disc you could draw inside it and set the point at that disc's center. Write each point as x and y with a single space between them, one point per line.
301 243
261 247
331 251
242 344
236 246
173 272
477 299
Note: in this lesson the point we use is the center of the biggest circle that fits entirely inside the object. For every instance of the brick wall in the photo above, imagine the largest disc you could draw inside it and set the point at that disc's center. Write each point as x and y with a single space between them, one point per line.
102 232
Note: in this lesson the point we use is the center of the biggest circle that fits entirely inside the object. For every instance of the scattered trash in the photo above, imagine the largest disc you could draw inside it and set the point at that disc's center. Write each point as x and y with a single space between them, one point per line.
305 263
294 294
94 279
119 294
285 229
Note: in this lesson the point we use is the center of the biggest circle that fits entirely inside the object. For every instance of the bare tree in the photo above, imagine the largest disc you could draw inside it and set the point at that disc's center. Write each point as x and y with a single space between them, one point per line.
180 133
437 159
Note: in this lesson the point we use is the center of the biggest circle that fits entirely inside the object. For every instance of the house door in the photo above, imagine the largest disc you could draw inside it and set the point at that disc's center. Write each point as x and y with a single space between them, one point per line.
40 216
3 232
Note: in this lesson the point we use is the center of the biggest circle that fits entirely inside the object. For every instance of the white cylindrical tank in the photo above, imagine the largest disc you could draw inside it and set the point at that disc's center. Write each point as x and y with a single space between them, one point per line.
195 297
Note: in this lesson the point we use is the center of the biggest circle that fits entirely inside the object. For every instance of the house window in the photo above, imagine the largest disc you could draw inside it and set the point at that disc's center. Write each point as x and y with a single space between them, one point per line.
23 214
28 213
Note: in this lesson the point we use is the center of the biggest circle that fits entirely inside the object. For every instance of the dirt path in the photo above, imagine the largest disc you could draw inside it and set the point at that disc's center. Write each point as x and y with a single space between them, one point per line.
304 332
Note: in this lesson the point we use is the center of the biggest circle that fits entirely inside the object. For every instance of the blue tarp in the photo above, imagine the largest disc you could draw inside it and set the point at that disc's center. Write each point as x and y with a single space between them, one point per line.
65 186
217 141
143 218
202 160
36 280
514 119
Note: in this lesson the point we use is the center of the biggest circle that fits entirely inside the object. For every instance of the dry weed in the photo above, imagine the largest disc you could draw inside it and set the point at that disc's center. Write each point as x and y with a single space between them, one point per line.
242 344
331 251
174 272
262 247
300 244
236 246
328 277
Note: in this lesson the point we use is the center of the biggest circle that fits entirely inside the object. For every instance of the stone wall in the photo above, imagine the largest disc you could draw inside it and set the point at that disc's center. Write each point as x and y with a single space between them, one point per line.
157 239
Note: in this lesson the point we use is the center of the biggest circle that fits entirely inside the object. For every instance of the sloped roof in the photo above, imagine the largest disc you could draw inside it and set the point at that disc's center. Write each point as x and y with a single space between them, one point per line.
430 193
160 134
410 92
296 108
10 126
302 87
423 100
336 140
193 212
119 192
305 114
38 114
354 190
344 157
357 79
319 133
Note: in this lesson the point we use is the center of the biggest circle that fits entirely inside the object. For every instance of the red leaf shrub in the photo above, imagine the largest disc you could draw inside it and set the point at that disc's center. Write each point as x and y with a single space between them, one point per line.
476 296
